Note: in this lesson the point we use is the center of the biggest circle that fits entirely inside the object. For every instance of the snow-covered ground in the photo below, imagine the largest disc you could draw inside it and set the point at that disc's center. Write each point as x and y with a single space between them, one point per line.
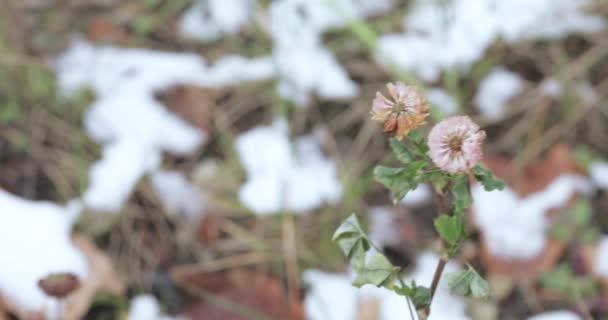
515 228
35 241
285 176
452 35
332 297
134 131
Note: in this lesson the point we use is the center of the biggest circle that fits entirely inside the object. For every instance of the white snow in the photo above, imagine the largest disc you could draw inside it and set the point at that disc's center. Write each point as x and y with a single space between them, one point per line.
598 171
178 195
332 297
143 307
552 88
303 64
281 176
418 196
132 126
146 307
495 90
209 20
513 227
443 101
454 34
383 226
35 241
601 260
556 315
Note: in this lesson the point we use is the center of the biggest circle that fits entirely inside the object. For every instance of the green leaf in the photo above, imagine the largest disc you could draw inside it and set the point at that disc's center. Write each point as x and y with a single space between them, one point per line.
564 281
421 148
590 235
487 179
450 228
399 180
438 180
468 283
421 296
581 213
353 241
400 151
479 286
461 193
561 232
459 282
378 271
349 226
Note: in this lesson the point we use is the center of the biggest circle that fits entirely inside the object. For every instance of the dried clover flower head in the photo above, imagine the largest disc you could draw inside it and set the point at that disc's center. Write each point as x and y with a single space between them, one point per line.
455 144
406 110
59 285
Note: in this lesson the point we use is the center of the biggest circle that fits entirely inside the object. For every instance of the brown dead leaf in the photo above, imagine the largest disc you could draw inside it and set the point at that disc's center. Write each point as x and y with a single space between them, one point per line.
533 178
522 270
102 278
209 229
105 30
253 290
193 104
537 175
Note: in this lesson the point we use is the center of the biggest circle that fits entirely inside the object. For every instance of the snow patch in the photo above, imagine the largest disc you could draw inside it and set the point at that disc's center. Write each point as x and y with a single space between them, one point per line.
442 35
598 171
495 90
383 227
146 307
332 297
178 195
132 126
303 64
552 88
208 20
442 101
281 178
35 241
556 315
601 260
513 227
418 196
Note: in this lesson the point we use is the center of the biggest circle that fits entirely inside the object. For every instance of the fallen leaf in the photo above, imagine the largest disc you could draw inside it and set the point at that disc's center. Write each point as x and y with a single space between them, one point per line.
193 104
102 278
105 30
532 178
537 175
253 291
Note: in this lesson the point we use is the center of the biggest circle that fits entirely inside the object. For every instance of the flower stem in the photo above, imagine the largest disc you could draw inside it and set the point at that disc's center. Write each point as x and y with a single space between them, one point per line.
437 276
442 206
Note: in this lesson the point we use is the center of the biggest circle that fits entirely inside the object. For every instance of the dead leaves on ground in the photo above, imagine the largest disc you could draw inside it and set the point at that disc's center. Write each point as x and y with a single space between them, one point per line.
193 104
234 294
102 278
525 181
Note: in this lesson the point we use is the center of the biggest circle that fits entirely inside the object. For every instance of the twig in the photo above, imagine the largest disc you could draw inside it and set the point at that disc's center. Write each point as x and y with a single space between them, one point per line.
291 257
235 261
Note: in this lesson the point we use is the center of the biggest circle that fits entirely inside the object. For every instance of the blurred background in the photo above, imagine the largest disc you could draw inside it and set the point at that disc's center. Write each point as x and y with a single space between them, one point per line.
192 159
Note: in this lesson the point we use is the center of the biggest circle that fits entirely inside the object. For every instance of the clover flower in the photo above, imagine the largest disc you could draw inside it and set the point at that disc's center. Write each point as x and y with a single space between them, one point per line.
406 110
455 144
